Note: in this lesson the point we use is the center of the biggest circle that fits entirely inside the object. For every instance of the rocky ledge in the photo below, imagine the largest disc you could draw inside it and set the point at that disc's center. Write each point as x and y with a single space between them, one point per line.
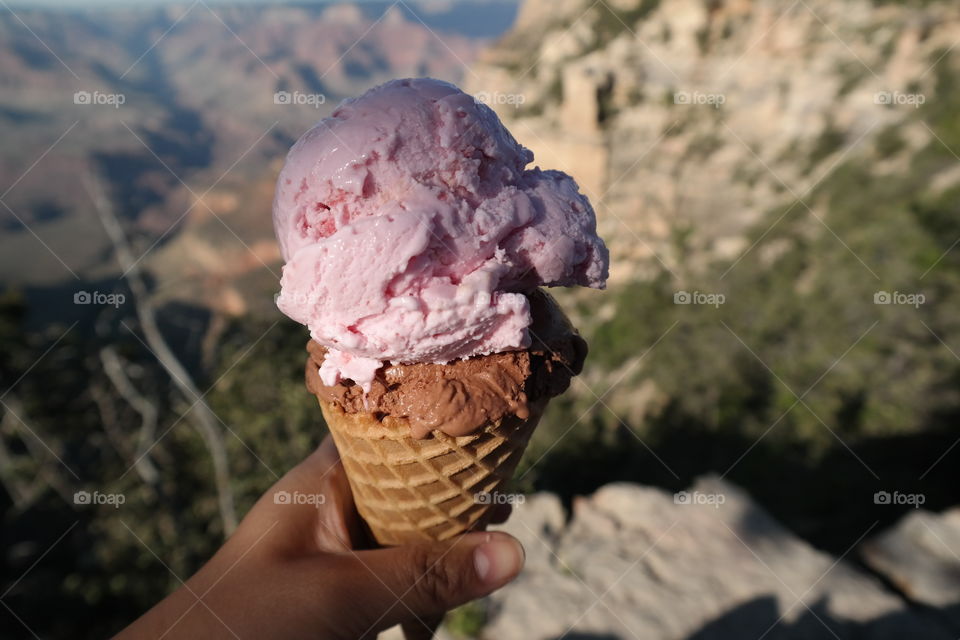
639 562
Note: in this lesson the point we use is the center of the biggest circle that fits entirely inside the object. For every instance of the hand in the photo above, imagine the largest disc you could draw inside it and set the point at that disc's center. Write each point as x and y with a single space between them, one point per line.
297 571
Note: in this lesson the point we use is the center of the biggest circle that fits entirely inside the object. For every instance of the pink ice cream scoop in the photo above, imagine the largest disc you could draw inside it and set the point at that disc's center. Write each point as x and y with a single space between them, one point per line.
411 229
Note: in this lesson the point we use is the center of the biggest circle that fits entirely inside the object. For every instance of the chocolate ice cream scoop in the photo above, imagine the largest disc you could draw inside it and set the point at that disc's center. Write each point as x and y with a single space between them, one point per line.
461 396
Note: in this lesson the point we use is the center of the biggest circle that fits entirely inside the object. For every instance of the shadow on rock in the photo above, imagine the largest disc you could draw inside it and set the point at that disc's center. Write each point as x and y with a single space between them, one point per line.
761 617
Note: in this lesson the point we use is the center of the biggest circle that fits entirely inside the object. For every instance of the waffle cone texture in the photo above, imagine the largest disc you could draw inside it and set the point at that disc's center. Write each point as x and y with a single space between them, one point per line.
409 490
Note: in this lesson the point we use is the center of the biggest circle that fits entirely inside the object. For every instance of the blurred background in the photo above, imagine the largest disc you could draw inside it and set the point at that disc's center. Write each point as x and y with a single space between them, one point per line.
763 443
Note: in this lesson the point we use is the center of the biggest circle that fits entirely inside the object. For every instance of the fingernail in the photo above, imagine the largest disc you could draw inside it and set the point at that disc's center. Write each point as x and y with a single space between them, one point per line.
498 559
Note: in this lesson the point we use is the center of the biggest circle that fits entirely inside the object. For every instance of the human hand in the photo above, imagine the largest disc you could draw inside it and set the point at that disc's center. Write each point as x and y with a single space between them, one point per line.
308 571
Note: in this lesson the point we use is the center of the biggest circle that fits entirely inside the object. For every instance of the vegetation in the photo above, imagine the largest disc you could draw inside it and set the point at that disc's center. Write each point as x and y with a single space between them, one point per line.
467 621
830 140
102 575
610 21
877 383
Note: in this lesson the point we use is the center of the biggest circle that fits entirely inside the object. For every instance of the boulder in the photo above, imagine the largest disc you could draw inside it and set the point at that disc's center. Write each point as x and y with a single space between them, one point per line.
639 562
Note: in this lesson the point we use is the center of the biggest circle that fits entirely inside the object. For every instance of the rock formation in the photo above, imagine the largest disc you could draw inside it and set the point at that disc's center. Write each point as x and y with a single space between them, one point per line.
693 117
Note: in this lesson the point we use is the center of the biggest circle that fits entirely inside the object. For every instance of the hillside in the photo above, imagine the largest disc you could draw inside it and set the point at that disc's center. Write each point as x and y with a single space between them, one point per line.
779 187
187 111
688 121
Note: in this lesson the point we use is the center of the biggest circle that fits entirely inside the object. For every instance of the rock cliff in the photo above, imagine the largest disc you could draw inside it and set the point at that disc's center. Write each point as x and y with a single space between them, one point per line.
709 563
687 121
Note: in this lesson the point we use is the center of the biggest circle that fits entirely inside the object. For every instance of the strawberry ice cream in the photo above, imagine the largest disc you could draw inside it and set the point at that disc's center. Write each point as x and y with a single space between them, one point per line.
412 232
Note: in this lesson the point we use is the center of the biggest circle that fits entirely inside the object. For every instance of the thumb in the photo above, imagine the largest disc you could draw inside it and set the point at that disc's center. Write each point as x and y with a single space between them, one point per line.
423 581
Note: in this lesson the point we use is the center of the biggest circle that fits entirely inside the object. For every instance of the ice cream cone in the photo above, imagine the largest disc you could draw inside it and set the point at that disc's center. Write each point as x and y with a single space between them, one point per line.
413 490
415 241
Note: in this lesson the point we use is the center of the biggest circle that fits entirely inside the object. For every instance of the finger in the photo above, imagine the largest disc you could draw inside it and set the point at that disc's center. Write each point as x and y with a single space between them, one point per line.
312 505
499 513
321 460
402 584
338 525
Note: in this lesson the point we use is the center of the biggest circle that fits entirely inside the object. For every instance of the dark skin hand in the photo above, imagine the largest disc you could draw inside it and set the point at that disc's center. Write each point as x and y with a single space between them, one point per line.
308 570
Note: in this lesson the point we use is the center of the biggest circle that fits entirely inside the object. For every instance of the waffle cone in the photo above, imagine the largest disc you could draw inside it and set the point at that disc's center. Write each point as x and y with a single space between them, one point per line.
410 490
